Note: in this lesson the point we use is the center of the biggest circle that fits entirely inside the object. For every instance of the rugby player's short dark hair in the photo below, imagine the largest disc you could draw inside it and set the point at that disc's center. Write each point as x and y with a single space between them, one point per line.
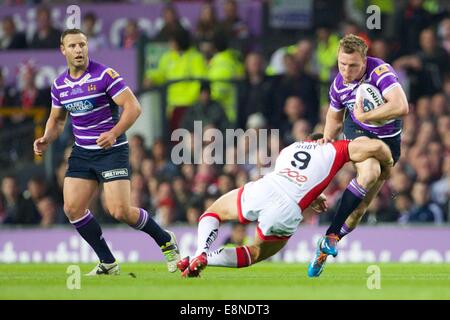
315 136
71 31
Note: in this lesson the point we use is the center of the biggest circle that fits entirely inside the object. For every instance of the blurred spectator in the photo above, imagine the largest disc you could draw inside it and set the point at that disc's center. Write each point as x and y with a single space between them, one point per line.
90 26
26 97
232 25
327 47
300 130
444 34
293 110
6 100
440 190
182 61
208 201
164 169
164 205
171 24
304 56
208 111
411 19
137 155
10 200
206 27
11 38
182 196
400 182
224 66
427 68
440 105
139 198
131 37
238 236
45 36
403 204
27 212
225 183
204 176
424 210
193 212
303 53
380 49
351 27
254 90
294 83
50 212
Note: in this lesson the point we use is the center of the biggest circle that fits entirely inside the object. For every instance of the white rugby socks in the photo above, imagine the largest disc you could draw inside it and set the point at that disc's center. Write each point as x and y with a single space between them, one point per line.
208 229
230 257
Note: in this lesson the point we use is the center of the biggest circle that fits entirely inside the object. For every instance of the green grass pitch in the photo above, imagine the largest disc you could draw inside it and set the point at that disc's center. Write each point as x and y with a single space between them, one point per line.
263 281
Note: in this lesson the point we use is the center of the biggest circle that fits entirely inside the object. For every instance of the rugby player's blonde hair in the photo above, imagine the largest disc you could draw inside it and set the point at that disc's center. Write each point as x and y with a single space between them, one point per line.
351 43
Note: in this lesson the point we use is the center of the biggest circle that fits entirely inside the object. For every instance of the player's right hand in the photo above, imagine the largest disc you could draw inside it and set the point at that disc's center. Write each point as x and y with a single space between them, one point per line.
40 146
324 141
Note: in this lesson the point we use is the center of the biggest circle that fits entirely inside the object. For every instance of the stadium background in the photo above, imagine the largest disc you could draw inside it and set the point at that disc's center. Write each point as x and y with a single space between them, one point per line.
273 71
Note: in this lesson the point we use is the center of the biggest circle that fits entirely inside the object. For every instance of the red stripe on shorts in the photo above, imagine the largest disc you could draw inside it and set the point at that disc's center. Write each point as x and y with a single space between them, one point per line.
239 207
270 238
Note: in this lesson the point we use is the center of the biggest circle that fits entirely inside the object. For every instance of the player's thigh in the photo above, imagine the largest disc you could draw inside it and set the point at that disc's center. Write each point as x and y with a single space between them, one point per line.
263 249
117 195
226 206
368 171
77 196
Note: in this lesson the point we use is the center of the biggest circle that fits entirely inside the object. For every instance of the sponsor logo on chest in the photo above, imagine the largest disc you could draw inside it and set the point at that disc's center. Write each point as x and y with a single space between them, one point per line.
79 106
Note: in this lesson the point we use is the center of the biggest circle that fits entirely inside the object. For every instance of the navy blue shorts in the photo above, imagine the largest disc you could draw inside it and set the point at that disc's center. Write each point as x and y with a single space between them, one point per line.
353 131
103 165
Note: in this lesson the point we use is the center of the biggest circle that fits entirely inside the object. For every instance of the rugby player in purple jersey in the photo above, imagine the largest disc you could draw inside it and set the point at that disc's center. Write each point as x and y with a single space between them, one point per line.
92 94
384 123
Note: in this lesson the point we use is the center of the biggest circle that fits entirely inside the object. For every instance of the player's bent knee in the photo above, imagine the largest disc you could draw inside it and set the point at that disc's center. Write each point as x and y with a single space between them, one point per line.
73 212
120 213
369 177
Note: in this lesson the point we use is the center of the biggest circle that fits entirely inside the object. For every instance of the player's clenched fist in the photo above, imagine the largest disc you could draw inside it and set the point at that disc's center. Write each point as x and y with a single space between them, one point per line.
106 140
40 145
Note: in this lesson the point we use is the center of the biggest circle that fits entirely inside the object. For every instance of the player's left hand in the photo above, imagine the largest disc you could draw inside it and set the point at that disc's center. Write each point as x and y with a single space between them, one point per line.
358 111
320 204
106 140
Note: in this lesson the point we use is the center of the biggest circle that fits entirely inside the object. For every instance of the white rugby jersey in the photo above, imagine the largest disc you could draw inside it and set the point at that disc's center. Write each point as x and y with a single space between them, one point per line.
304 169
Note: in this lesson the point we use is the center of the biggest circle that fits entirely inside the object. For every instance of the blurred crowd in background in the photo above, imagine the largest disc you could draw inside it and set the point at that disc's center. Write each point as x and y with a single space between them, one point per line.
278 81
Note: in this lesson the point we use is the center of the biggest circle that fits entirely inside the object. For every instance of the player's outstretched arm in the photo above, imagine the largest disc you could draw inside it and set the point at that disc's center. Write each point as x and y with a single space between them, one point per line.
362 149
131 111
53 128
333 125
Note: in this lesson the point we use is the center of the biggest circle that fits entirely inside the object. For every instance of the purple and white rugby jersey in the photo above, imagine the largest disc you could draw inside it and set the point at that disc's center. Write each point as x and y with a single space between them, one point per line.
379 74
89 100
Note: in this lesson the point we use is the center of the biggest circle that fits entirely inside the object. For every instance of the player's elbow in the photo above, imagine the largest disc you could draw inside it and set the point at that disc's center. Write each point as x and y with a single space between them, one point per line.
137 109
404 109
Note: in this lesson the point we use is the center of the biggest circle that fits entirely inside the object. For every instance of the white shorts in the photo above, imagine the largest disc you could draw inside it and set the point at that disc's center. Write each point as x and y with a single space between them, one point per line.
278 216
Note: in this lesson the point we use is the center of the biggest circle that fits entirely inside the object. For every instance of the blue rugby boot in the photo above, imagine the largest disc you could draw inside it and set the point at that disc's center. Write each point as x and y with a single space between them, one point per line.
316 266
328 244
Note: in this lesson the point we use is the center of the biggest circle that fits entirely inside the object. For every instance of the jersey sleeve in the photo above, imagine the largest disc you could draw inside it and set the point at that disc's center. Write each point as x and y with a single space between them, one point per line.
56 103
114 83
342 155
335 101
385 78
